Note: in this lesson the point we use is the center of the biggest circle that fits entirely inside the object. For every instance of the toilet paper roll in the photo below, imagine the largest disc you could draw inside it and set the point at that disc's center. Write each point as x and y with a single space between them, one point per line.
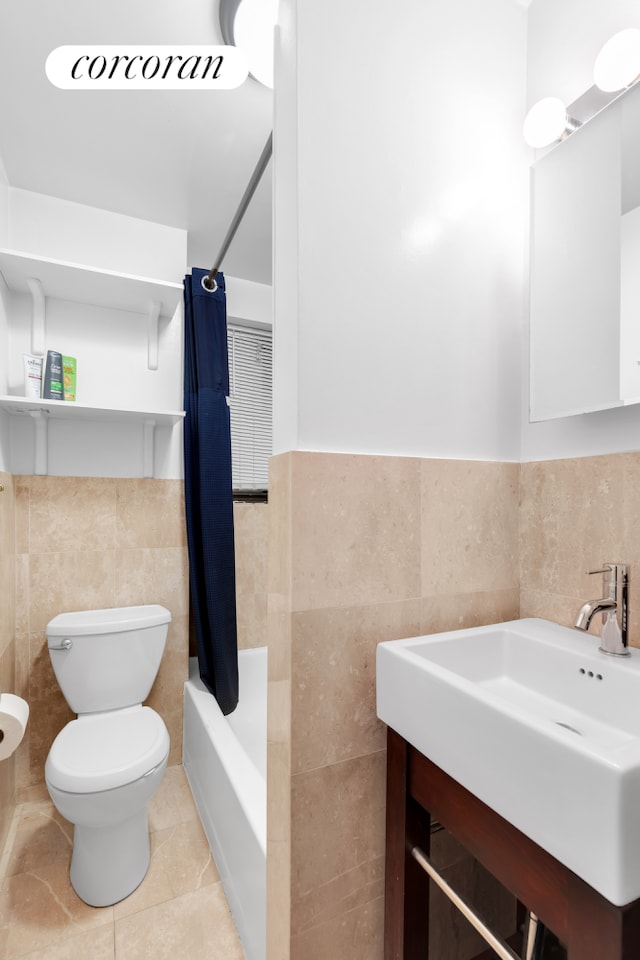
14 713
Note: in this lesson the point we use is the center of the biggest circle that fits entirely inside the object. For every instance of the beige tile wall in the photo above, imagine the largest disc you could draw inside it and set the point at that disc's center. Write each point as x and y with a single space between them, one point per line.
251 530
83 543
362 549
86 543
7 643
574 515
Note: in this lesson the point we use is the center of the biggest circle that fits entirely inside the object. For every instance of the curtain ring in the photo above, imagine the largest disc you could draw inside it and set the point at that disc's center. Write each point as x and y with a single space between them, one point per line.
209 289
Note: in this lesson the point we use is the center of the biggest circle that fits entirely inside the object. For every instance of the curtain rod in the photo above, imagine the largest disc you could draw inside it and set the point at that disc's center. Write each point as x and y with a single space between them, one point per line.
209 282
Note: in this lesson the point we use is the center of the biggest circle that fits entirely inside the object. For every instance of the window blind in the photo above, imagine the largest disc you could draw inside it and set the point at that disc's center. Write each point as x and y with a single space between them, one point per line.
250 405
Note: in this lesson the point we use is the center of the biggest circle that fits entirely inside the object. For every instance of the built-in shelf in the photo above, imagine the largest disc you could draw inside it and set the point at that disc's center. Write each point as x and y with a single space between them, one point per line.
82 284
45 278
61 410
42 411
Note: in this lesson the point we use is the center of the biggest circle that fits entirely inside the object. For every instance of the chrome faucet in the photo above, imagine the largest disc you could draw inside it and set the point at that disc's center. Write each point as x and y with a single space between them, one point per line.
612 606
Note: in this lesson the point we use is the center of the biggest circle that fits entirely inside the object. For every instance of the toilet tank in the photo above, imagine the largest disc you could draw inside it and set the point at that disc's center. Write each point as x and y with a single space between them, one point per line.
107 659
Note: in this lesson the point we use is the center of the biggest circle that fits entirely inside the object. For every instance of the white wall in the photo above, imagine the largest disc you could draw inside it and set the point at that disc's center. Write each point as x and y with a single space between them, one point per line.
4 205
248 301
51 227
564 37
400 202
285 376
4 299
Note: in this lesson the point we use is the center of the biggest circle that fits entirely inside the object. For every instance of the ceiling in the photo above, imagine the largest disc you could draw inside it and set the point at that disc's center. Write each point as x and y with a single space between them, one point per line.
172 157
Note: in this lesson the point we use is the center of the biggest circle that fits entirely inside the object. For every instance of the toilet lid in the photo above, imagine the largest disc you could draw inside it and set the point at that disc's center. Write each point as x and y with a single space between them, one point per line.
102 751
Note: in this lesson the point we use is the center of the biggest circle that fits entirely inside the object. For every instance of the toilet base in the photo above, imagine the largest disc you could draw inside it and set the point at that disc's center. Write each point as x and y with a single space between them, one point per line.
109 862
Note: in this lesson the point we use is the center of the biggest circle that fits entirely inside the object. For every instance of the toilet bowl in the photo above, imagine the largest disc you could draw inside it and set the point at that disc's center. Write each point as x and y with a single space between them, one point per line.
104 766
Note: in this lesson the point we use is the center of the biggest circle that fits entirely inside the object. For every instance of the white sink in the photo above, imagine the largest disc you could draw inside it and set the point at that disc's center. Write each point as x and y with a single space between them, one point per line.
539 724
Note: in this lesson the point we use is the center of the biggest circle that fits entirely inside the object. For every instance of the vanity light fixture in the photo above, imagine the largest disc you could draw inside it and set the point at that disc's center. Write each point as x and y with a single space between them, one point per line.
546 122
249 25
617 65
617 68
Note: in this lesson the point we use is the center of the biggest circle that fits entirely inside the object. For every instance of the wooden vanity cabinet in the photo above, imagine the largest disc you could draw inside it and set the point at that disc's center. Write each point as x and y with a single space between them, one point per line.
417 791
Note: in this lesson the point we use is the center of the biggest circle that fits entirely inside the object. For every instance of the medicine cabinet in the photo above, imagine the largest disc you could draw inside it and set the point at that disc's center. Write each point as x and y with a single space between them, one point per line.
585 291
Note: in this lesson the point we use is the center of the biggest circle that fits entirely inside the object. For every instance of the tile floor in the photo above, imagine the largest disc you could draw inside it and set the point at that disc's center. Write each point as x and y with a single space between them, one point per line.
179 910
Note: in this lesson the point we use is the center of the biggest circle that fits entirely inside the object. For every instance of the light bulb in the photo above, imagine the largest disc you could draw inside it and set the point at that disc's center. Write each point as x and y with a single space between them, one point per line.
545 122
618 63
253 33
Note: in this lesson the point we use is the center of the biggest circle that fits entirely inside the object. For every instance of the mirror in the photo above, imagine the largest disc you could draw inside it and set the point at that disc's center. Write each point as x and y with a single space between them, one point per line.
585 267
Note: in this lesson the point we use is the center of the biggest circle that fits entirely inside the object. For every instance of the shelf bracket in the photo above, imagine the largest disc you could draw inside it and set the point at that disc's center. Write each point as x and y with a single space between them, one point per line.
149 436
154 318
37 316
41 421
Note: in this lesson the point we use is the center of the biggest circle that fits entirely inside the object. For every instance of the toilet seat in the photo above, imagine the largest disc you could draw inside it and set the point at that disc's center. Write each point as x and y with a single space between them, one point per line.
103 751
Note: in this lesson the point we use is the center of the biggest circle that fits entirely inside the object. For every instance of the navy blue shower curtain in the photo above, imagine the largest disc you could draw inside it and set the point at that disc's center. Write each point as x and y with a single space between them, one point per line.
208 490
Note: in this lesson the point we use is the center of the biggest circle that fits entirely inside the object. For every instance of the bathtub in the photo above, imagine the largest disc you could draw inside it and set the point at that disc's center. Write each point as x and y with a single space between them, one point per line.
225 761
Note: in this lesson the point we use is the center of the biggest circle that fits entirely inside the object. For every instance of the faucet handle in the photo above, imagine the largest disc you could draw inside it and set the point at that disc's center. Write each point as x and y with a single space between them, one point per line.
616 571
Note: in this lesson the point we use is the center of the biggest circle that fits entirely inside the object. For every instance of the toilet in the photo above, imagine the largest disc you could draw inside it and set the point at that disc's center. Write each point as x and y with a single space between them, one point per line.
104 766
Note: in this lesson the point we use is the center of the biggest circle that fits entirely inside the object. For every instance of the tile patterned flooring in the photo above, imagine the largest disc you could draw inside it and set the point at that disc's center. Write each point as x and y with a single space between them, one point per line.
179 910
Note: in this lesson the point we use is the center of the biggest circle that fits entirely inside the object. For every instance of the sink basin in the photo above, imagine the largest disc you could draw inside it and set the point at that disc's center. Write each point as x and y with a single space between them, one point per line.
540 725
